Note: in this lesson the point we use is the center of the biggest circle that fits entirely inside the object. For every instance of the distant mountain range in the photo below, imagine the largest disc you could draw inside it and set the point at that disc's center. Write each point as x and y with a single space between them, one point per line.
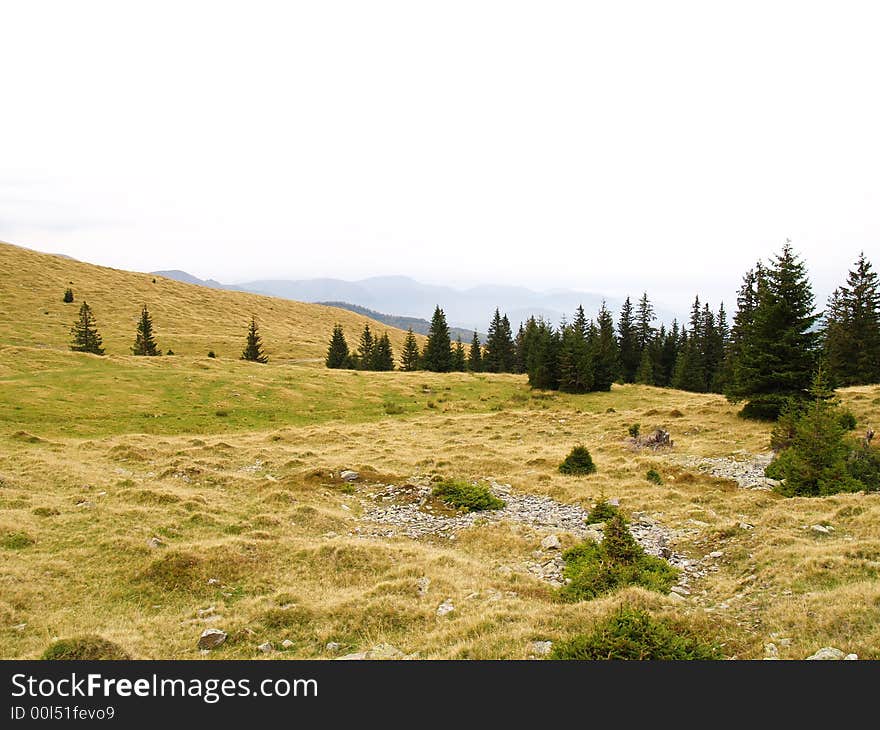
406 299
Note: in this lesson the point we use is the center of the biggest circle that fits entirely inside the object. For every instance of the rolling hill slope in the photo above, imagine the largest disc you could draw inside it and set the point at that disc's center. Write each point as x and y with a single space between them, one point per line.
188 319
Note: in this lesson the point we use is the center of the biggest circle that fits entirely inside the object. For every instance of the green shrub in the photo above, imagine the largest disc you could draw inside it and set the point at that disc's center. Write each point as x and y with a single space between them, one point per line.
68 296
88 648
618 561
392 408
578 462
11 540
764 408
847 420
635 635
211 353
634 430
465 496
654 477
602 512
864 466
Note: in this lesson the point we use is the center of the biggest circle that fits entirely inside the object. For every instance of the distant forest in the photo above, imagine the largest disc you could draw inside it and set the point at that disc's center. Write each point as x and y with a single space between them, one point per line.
416 324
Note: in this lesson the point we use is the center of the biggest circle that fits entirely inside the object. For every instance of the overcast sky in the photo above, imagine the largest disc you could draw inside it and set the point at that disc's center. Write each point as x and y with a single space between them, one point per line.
605 146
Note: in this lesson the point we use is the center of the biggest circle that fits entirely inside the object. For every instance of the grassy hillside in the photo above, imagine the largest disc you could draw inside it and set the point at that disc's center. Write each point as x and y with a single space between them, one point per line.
188 319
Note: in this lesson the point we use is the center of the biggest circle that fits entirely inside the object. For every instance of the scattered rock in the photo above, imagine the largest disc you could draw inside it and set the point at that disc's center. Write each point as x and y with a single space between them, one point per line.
286 644
20 627
678 598
445 607
213 581
266 648
423 584
680 590
348 475
551 542
821 529
211 638
770 651
746 526
332 646
209 611
155 542
716 554
541 648
827 653
851 657
747 472
380 651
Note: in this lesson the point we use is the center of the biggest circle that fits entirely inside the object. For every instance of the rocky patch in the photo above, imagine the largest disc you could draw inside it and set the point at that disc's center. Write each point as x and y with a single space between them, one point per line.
747 471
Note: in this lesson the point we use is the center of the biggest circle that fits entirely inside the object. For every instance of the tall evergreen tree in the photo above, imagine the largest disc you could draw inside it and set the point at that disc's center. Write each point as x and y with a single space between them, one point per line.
644 323
85 332
437 355
338 355
253 349
383 356
500 355
776 356
542 358
668 355
68 295
409 360
475 355
645 373
459 358
851 337
604 351
628 343
144 341
575 365
365 349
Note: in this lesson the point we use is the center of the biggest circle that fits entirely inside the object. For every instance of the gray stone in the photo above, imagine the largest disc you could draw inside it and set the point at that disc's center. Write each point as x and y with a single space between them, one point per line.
286 644
821 529
211 638
827 653
680 590
541 648
551 542
380 651
423 584
348 475
851 657
716 554
445 607
266 648
770 651
332 646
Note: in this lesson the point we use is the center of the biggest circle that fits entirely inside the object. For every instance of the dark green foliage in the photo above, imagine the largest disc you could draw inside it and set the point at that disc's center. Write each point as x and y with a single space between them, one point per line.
409 360
365 349
774 350
863 465
144 341
212 354
632 634
170 352
15 540
604 351
84 648
602 512
645 373
628 343
416 324
654 477
68 296
847 420
574 363
475 355
465 496
542 358
500 354
851 337
459 359
253 350
437 356
618 561
765 407
85 333
578 462
634 430
383 356
338 355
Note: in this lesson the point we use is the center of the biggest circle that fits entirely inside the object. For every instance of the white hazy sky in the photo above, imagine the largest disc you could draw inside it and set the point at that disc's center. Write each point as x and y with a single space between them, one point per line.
605 146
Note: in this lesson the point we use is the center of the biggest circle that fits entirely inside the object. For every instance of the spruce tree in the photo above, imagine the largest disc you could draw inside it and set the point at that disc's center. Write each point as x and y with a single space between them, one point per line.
604 353
145 342
475 355
542 359
644 319
383 356
85 332
338 355
68 295
437 355
851 337
575 366
668 355
775 354
253 349
459 358
628 343
409 360
365 349
500 355
645 373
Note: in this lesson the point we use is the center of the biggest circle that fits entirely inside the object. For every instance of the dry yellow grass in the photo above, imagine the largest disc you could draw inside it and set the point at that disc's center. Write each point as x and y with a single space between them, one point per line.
188 319
253 508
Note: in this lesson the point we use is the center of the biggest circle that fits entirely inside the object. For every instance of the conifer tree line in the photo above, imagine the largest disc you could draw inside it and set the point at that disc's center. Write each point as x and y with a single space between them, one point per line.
767 355
373 352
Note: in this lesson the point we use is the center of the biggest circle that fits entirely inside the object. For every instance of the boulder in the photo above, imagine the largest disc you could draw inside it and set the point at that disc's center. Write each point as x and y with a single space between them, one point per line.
348 475
551 542
541 648
266 648
211 638
445 607
827 653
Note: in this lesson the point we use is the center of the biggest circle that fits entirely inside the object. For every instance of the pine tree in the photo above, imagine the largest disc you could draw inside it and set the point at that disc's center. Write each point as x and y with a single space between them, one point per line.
645 373
668 355
365 349
338 355
144 342
644 319
68 295
776 355
500 355
253 350
604 353
459 359
628 343
542 358
475 355
409 360
85 332
383 356
851 337
437 355
575 366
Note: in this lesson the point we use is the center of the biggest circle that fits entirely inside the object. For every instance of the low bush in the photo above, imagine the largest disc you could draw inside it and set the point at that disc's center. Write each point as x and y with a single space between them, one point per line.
864 466
633 634
12 540
578 462
463 495
211 353
634 430
847 420
618 561
88 647
654 477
